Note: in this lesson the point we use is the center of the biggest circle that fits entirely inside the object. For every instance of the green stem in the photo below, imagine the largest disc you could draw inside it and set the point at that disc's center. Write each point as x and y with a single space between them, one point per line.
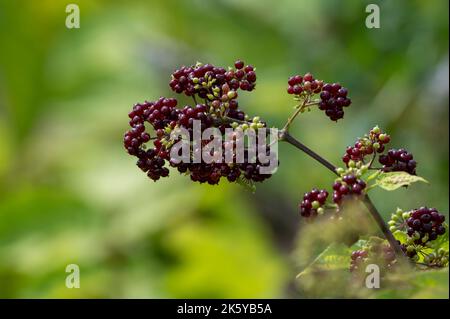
306 103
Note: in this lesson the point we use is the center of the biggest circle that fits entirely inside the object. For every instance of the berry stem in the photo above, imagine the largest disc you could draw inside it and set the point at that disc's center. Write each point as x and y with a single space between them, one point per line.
297 112
285 136
373 159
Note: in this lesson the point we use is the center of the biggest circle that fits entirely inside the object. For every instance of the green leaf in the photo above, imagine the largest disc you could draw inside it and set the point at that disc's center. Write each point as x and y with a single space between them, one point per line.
335 256
401 236
393 180
360 244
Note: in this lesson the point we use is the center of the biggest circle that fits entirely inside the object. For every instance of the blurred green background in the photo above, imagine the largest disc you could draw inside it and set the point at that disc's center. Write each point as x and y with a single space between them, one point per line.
69 193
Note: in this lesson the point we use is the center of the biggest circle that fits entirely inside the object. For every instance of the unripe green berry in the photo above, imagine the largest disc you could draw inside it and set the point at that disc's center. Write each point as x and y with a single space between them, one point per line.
405 215
392 228
315 204
231 94
364 169
382 137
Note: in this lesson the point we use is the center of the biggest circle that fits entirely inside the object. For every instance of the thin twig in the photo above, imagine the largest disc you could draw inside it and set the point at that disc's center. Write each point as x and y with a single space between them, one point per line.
297 112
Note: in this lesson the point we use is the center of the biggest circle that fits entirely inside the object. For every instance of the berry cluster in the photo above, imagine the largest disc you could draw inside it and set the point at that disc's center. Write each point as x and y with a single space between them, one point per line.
333 97
312 203
306 84
347 185
152 164
373 142
333 100
398 160
217 87
425 224
376 251
206 80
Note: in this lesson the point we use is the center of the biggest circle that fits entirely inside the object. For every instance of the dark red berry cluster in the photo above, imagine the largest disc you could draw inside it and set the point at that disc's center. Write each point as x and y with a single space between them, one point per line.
305 84
380 254
333 100
376 252
206 80
211 173
398 160
159 114
427 223
373 142
217 87
312 202
347 186
333 97
152 164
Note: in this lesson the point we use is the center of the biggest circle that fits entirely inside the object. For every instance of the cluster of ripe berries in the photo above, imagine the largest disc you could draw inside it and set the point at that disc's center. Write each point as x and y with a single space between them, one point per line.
422 226
393 161
333 97
305 84
373 142
312 203
347 186
333 100
200 78
217 87
427 223
398 160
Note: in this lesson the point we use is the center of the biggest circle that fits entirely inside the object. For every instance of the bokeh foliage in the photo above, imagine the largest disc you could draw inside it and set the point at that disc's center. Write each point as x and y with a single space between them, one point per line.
70 194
